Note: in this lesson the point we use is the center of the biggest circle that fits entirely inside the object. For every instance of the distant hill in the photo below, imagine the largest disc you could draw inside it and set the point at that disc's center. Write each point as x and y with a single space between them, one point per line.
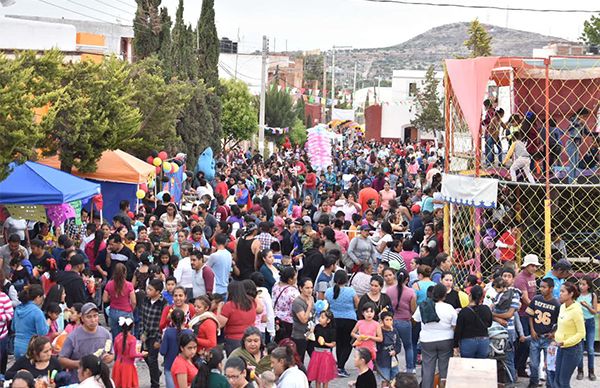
431 47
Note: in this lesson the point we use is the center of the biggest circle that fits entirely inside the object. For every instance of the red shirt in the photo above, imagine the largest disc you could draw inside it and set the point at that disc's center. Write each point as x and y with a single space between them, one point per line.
165 319
223 189
507 254
120 302
525 282
207 335
181 366
311 180
367 194
237 319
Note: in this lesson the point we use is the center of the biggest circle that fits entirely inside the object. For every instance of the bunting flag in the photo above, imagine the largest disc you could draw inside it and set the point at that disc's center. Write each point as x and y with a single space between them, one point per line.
76 205
470 191
276 130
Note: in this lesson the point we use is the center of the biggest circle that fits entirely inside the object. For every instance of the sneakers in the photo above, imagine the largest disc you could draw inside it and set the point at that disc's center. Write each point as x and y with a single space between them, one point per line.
414 371
579 374
343 373
592 376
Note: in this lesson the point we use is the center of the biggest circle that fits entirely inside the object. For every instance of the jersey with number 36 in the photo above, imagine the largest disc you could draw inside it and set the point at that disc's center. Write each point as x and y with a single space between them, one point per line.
544 313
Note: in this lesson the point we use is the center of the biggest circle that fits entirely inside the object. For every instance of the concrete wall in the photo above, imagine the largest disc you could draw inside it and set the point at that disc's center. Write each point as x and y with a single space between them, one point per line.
16 34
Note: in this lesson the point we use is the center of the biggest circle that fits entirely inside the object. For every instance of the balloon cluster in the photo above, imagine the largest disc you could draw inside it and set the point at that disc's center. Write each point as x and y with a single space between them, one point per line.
162 162
318 146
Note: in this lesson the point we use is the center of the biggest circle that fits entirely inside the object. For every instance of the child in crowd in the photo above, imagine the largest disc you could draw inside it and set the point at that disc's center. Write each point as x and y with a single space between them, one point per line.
522 159
53 311
150 313
277 256
322 367
170 285
20 275
551 364
74 317
366 377
169 346
589 304
124 372
367 331
387 362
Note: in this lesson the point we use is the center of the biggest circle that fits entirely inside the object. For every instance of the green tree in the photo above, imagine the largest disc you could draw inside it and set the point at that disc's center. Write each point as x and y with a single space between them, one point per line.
428 115
147 28
164 39
94 113
591 31
208 45
196 124
160 103
239 117
298 134
279 108
183 60
27 82
301 109
479 42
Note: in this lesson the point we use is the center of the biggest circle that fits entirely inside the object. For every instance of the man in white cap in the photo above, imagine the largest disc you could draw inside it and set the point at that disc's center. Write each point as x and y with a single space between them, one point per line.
525 282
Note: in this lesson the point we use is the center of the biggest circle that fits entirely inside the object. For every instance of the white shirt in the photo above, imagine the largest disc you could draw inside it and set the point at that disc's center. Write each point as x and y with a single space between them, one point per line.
438 331
292 378
202 190
184 273
14 225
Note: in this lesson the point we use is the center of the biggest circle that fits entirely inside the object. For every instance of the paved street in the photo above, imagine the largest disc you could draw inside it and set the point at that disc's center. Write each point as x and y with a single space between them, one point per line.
343 382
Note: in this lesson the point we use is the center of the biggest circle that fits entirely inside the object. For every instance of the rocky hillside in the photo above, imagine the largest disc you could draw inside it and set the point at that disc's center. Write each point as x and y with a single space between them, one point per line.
431 47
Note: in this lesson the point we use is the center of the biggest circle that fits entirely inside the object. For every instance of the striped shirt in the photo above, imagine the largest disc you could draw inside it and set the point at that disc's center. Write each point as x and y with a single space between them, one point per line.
6 314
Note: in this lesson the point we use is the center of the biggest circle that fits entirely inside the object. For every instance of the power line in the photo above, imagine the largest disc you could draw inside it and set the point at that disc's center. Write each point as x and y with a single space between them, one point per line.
70 10
492 7
112 6
126 3
94 9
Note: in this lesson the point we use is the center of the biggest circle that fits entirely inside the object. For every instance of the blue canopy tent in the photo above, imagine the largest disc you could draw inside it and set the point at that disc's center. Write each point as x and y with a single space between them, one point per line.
35 184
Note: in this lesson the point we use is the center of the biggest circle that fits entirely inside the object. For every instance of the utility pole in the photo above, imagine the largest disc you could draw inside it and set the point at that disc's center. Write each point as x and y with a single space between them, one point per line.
263 86
354 83
323 87
236 54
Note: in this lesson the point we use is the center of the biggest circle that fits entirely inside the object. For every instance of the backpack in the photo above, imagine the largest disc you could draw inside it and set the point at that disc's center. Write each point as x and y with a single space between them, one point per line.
499 340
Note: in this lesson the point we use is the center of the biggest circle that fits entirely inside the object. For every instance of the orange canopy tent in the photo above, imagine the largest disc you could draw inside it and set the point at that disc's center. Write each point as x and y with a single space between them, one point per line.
120 176
113 166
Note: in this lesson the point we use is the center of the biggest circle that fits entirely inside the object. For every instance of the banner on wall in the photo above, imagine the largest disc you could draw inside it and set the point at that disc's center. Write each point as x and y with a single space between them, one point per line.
470 191
342 114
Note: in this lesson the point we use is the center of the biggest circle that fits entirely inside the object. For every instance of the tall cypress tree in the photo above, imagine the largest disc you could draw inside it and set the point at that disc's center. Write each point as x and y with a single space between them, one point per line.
208 45
146 28
183 57
164 39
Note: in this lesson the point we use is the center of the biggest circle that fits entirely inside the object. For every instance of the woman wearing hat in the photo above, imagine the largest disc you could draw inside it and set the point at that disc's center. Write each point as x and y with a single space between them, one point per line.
361 249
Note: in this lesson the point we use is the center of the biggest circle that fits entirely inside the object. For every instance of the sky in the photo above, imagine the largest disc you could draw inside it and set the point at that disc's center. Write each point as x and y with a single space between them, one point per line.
321 24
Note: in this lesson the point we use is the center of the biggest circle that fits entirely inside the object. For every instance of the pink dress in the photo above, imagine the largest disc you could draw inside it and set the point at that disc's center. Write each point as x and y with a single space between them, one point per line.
368 328
386 197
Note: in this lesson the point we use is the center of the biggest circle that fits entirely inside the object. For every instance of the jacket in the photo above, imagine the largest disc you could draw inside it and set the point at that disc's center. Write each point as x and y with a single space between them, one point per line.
28 321
74 287
361 250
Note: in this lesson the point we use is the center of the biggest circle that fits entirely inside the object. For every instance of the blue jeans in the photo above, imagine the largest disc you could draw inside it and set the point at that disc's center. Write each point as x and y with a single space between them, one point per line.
490 146
522 351
3 353
590 335
169 382
550 376
404 332
535 347
510 360
113 319
567 360
478 347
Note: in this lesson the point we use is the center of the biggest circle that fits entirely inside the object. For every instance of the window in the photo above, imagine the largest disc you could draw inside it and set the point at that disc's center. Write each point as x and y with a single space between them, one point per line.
412 89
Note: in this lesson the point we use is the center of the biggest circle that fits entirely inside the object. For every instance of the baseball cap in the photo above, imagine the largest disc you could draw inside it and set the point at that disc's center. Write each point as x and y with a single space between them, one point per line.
77 259
365 227
88 307
415 208
563 265
306 220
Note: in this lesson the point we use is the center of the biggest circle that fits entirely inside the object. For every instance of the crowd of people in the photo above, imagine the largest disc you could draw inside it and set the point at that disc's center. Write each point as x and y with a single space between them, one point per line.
275 275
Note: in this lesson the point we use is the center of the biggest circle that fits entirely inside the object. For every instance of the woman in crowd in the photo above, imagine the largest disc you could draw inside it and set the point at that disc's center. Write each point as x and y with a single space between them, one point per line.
569 335
120 293
387 195
452 298
361 249
93 247
169 346
404 304
93 373
330 240
342 303
237 314
253 351
178 303
171 219
429 239
210 372
236 373
589 304
29 320
284 367
183 369
471 333
284 293
442 263
38 360
375 296
437 336
265 265
302 310
360 281
389 279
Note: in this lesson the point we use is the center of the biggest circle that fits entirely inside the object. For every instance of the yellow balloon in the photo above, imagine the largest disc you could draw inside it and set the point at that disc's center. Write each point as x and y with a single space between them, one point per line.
140 194
166 167
175 167
157 162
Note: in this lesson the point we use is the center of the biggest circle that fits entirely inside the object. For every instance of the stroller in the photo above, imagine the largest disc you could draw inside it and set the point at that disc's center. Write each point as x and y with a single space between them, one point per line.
499 344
